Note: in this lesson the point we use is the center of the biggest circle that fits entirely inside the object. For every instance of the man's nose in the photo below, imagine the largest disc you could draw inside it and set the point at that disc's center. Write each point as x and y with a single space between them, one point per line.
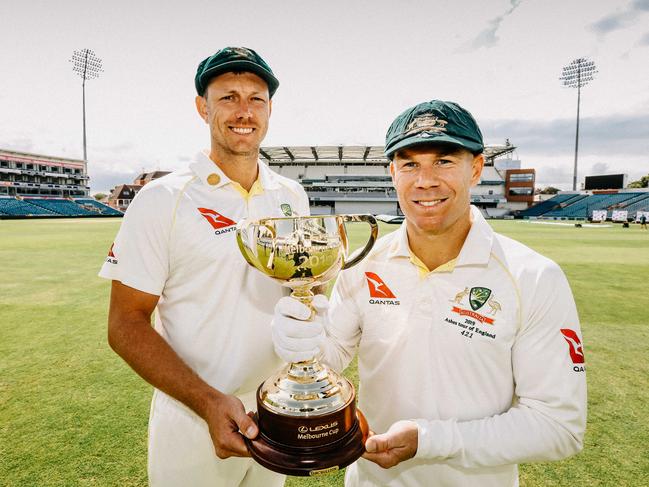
243 109
427 177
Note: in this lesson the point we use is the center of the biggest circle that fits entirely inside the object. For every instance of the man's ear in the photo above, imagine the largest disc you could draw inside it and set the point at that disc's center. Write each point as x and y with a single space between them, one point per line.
270 107
201 107
476 169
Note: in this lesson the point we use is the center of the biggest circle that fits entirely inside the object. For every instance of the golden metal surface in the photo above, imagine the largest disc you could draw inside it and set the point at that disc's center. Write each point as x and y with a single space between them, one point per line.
301 253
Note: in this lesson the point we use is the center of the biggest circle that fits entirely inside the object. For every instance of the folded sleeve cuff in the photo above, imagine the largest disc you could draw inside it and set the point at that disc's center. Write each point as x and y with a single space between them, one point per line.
437 439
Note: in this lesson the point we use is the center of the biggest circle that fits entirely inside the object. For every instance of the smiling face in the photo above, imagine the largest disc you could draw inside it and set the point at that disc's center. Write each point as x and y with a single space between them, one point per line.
237 108
433 185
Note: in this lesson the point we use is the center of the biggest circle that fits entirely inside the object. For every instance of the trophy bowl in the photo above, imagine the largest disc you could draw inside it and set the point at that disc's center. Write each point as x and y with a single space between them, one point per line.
306 412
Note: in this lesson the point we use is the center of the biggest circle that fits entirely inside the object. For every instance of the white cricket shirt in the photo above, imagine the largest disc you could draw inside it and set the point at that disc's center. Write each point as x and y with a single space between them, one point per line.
177 240
484 354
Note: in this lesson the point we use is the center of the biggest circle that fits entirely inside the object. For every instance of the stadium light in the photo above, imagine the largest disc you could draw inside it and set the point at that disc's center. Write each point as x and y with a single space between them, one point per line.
578 73
88 66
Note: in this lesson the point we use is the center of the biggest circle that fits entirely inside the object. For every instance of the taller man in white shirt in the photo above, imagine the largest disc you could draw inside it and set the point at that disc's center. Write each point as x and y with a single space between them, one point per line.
469 346
176 251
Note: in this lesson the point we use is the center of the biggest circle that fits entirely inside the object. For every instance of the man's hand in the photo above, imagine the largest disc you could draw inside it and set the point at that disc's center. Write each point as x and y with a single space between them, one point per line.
399 443
296 339
227 421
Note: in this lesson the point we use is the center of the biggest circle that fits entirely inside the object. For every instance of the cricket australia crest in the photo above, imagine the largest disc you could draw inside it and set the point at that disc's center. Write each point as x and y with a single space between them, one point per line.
426 123
478 297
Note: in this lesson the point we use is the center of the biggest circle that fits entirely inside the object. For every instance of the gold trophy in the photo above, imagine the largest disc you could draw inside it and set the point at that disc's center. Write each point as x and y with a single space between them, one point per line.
307 416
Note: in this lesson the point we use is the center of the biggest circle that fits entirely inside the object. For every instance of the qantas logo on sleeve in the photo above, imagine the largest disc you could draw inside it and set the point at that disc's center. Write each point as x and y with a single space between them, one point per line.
378 289
575 348
218 221
111 259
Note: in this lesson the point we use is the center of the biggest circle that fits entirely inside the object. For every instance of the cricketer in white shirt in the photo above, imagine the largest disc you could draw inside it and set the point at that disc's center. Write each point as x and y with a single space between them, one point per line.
485 355
177 240
469 345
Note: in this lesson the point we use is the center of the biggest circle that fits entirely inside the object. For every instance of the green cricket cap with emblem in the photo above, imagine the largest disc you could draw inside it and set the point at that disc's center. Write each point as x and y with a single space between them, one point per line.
434 122
231 59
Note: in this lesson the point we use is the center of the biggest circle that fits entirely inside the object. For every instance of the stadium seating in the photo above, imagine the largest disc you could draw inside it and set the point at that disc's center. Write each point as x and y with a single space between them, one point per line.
547 205
54 207
100 207
14 207
637 204
61 207
582 205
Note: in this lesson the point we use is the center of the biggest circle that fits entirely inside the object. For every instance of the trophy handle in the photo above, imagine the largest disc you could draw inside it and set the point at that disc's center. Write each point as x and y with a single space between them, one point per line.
243 243
374 232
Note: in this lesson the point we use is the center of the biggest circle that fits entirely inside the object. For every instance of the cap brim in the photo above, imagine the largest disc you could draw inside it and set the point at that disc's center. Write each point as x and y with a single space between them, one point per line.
417 139
240 65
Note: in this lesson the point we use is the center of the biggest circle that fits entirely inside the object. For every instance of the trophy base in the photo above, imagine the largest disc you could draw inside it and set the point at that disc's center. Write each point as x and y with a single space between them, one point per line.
309 462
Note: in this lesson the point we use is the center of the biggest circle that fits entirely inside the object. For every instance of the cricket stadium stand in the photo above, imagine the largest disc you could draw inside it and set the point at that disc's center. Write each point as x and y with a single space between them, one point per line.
356 179
39 186
580 206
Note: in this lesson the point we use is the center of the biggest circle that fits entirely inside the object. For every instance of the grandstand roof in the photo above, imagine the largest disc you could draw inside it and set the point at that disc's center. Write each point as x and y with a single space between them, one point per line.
28 157
350 153
328 153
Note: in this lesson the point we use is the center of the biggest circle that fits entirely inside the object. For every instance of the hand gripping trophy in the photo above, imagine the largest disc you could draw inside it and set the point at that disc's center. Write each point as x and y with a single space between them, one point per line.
307 416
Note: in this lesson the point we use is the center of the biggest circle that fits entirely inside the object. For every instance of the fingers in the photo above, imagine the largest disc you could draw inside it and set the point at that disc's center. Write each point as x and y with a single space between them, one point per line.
398 444
379 450
288 306
320 303
384 459
228 422
231 444
246 425
294 339
293 328
377 444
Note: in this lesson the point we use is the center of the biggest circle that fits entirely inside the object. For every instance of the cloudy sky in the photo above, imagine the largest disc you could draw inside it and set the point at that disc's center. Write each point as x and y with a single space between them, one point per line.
346 67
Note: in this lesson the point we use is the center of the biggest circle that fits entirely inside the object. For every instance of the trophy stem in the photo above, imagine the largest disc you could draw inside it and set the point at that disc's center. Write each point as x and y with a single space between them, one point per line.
303 294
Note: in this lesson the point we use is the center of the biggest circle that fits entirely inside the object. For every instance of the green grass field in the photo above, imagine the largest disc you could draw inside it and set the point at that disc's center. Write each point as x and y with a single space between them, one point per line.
73 414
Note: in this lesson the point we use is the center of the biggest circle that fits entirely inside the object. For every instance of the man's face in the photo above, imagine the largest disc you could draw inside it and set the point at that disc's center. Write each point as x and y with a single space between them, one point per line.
433 186
237 108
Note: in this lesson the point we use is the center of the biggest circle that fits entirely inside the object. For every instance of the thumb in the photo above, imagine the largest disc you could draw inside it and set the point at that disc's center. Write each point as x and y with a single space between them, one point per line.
320 304
377 444
246 425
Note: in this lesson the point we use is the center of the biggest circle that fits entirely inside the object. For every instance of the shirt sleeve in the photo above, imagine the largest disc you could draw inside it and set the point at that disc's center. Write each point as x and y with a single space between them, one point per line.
548 417
139 256
343 326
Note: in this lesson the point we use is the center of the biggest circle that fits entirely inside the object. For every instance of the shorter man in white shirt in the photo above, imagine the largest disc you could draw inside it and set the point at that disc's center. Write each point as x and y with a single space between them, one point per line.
469 346
176 252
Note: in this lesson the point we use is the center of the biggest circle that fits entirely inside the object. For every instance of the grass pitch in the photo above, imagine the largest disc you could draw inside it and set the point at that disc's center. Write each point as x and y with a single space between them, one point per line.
73 414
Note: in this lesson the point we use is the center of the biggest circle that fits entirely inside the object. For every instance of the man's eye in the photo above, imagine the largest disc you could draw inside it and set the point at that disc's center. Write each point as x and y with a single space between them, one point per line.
226 97
409 165
444 162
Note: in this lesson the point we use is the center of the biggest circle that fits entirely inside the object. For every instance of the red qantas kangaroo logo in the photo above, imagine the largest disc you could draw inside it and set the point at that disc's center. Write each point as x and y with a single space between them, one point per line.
576 350
110 251
378 289
216 219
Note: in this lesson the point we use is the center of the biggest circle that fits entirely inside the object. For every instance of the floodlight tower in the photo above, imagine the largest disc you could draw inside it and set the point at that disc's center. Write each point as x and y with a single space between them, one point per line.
88 66
575 75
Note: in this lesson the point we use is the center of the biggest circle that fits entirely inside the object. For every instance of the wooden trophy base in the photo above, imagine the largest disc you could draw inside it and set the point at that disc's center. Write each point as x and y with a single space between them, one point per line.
305 461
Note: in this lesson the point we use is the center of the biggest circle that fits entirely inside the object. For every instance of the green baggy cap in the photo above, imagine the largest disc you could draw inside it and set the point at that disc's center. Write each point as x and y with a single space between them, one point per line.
231 59
434 122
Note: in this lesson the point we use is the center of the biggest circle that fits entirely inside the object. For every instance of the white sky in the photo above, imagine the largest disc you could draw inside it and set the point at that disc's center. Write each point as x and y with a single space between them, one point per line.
346 68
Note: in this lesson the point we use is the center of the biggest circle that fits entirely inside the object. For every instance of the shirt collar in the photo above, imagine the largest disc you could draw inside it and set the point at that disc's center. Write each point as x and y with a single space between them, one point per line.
475 250
477 246
204 167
